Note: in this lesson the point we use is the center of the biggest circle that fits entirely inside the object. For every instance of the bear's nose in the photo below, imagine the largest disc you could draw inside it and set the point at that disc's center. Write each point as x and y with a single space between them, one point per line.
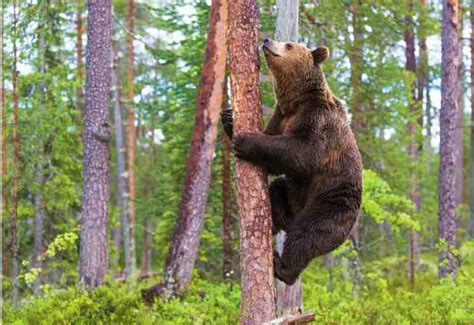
266 41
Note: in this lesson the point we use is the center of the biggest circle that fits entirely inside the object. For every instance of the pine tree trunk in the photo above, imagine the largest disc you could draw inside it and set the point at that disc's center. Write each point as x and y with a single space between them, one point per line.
146 248
5 250
227 254
449 103
458 130
187 232
16 167
256 259
130 251
289 298
413 136
472 120
121 170
93 241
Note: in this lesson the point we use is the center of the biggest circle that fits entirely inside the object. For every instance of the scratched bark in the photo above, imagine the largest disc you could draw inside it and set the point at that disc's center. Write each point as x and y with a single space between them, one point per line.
449 102
256 259
186 235
94 256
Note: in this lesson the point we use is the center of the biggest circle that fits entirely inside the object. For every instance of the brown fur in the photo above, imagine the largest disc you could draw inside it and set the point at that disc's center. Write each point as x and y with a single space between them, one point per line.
309 141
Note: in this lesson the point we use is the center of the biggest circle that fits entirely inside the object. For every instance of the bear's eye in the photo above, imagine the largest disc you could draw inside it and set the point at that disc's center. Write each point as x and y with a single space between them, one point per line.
288 46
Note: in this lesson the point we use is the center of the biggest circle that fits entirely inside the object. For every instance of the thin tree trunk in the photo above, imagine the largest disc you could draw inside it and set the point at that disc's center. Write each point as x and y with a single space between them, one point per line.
472 120
16 167
187 232
413 136
38 196
146 249
289 298
355 59
256 259
458 130
121 170
449 103
80 65
130 251
5 252
93 243
227 253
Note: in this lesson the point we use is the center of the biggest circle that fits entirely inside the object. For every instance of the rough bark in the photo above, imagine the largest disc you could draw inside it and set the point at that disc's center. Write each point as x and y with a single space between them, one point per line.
121 169
16 167
187 232
227 254
472 120
256 259
130 251
413 136
449 103
289 299
93 241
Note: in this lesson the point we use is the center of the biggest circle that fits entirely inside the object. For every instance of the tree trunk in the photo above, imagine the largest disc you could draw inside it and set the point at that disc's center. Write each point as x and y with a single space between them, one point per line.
458 130
449 103
146 249
289 298
256 259
227 254
38 196
130 251
80 65
413 136
355 59
93 243
16 167
121 170
5 252
187 232
472 120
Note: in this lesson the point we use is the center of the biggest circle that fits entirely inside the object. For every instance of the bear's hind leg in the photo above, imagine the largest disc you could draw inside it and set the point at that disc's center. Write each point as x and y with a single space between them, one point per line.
281 212
307 237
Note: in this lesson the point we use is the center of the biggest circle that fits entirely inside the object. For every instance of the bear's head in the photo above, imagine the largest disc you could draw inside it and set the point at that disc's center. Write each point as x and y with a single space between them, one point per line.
295 68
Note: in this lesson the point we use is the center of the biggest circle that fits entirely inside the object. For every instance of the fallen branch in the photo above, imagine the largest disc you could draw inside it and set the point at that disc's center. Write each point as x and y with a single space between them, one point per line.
303 318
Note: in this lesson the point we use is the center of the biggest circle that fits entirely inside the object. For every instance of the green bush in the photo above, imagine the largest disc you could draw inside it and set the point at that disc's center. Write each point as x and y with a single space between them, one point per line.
381 300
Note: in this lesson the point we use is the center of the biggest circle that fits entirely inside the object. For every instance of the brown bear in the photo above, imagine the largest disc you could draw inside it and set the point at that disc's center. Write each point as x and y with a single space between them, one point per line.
308 140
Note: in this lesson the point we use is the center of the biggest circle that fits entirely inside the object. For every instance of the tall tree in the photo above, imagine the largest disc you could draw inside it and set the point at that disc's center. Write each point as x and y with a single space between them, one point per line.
38 197
5 253
413 128
289 298
449 102
227 256
357 123
472 119
121 170
130 251
93 241
16 162
187 231
256 260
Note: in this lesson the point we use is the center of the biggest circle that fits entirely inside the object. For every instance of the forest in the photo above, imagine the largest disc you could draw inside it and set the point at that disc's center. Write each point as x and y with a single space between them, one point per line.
124 201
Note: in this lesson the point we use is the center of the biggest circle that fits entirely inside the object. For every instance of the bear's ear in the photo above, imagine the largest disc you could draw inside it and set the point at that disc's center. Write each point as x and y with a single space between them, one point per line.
320 54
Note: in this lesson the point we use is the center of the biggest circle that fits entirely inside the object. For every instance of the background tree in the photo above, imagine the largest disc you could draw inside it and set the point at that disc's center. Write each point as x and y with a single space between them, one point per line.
258 293
94 253
449 102
186 235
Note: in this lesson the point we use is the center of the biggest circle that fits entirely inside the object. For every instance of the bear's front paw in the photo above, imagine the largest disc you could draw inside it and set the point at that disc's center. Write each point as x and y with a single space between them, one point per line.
243 145
279 271
228 122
